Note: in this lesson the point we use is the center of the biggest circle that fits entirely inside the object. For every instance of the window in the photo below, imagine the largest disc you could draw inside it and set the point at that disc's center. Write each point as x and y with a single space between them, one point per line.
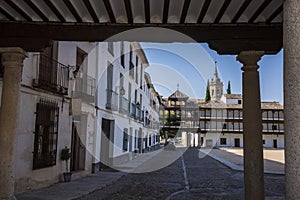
141 75
264 141
46 132
131 70
137 71
125 139
274 127
122 54
110 48
239 101
223 141
224 126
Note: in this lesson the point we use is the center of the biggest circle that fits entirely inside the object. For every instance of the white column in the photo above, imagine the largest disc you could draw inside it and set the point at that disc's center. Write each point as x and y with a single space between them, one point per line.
291 46
12 60
252 126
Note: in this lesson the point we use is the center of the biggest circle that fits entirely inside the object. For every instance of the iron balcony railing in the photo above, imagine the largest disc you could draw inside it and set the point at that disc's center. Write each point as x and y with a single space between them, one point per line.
124 105
51 75
138 114
111 100
132 110
85 88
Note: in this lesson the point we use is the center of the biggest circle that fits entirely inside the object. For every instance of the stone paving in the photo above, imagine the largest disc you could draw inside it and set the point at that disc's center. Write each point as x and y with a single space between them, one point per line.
233 158
205 178
191 176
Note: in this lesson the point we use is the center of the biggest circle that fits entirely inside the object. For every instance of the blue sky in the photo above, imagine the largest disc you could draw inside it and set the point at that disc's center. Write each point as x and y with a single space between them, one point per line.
191 65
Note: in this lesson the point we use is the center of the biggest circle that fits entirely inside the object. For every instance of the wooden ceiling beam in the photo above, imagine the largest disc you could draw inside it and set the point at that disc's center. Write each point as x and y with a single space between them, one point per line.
18 9
166 11
128 11
147 11
184 10
7 15
73 10
203 11
227 39
222 11
91 10
55 11
274 14
239 13
110 11
37 10
261 8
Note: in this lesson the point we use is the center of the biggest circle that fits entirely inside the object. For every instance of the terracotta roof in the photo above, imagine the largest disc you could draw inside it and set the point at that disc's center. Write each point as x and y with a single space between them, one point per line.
271 105
220 104
233 96
178 95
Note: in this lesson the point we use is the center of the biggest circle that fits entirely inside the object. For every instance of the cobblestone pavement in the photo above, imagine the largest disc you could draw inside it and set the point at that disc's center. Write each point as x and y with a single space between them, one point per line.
192 176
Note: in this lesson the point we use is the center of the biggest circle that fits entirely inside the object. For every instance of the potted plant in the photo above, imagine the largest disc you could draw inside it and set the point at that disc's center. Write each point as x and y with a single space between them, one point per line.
66 155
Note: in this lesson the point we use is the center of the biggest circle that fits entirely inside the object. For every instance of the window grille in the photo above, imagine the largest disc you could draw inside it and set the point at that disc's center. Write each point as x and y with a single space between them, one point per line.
46 133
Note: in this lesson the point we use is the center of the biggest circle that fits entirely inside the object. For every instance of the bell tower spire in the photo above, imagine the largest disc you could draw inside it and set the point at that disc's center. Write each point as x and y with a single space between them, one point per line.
216 86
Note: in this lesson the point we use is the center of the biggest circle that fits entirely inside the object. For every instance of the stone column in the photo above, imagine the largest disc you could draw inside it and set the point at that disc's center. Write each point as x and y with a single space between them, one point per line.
12 60
291 46
252 126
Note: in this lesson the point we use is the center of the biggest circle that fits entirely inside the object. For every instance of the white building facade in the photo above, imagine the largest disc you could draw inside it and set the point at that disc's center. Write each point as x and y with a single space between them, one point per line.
127 105
72 95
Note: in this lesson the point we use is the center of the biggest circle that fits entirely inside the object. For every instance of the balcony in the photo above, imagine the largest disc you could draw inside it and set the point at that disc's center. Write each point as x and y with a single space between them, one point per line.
111 100
85 88
51 75
124 106
132 110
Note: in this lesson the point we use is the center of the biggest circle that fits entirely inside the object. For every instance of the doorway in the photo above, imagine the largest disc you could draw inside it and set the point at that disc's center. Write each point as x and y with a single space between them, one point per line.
274 143
106 140
237 142
77 150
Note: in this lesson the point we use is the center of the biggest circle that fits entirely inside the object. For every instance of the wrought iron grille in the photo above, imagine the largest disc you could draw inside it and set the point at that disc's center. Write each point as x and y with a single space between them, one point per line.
111 100
51 75
46 132
85 88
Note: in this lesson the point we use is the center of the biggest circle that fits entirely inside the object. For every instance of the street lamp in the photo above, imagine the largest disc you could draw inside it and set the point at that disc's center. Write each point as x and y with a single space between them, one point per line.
121 90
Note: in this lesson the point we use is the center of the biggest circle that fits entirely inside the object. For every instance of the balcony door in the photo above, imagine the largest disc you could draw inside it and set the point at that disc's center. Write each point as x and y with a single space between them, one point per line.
109 82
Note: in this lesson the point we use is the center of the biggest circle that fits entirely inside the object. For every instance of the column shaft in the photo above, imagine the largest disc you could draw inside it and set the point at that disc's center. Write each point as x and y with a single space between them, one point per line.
12 59
291 45
252 126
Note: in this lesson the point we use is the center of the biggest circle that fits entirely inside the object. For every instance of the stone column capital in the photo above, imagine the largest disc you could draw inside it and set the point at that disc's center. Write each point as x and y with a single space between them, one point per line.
12 55
249 59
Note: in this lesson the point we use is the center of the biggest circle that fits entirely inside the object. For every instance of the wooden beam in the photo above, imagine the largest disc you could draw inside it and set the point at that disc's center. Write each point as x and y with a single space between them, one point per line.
55 10
110 11
203 11
7 15
73 10
222 11
18 9
240 11
185 10
91 10
37 10
128 11
274 14
227 39
147 11
261 8
166 11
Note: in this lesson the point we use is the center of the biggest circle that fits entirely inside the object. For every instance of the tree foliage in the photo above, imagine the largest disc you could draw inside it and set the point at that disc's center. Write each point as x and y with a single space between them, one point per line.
228 88
207 96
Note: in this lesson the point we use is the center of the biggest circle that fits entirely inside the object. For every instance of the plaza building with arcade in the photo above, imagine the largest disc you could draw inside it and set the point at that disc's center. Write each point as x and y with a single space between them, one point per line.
217 122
